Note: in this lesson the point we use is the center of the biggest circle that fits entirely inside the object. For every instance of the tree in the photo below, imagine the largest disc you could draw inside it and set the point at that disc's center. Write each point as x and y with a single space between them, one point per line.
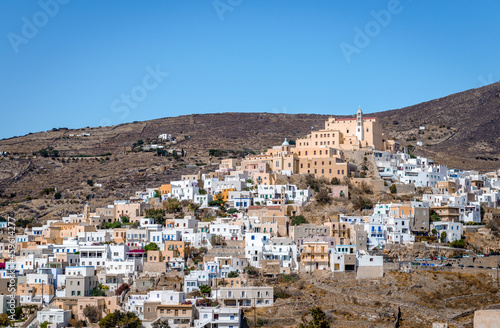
313 183
160 323
434 232
323 197
297 220
218 201
151 247
233 274
57 195
319 319
44 324
443 236
434 216
172 205
252 271
458 243
92 313
157 214
335 181
157 194
120 320
90 182
360 203
125 219
113 225
205 289
18 312
193 207
232 210
394 189
97 292
4 320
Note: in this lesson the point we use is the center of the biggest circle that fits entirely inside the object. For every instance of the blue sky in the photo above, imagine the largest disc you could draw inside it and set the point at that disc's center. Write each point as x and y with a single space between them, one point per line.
90 63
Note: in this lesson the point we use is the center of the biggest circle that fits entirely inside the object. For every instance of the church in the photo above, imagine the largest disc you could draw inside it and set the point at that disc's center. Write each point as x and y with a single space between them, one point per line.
347 134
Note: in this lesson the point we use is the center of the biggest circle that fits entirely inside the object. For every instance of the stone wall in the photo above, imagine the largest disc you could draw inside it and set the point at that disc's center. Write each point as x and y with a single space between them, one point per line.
370 272
155 267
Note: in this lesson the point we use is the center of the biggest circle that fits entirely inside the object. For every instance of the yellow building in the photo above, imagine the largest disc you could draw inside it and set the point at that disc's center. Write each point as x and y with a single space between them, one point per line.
315 255
321 152
347 134
449 187
165 189
224 196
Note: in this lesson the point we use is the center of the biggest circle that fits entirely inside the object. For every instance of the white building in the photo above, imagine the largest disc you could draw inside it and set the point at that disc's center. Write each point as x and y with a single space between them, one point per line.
226 317
255 244
195 279
453 230
58 317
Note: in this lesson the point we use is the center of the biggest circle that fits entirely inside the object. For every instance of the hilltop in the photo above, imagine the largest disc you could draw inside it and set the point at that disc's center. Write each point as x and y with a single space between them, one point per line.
460 131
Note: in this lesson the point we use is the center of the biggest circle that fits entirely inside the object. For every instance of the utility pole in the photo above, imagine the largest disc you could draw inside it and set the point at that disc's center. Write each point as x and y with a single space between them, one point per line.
254 313
42 294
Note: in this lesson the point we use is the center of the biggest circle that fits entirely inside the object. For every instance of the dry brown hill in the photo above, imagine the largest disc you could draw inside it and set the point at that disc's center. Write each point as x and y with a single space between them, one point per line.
460 130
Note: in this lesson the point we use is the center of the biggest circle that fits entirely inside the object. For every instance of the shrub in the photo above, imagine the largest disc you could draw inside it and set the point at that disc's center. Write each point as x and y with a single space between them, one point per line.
92 313
47 191
233 274
120 319
252 271
4 320
458 243
151 247
323 197
360 203
75 323
289 277
113 225
297 220
394 189
123 287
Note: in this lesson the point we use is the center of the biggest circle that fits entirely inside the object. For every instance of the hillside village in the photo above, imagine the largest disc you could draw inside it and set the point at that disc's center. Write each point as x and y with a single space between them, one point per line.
345 204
